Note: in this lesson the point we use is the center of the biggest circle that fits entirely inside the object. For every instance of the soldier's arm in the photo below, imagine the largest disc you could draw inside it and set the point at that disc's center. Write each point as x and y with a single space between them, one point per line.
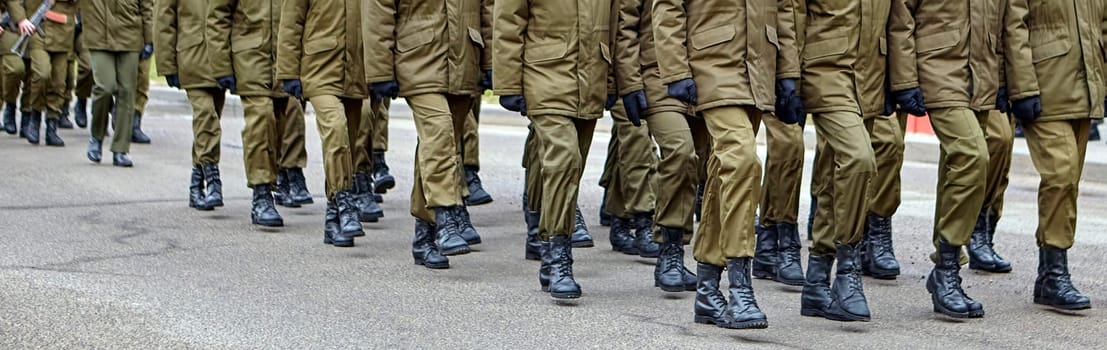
788 36
628 63
486 34
147 9
165 39
670 37
511 18
902 63
1022 80
380 41
16 11
290 39
220 20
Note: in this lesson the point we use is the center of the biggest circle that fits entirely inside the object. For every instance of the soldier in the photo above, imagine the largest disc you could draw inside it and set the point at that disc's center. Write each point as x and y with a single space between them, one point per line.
320 59
291 151
532 201
83 87
631 171
845 42
999 136
1056 82
365 197
878 257
141 98
11 67
48 57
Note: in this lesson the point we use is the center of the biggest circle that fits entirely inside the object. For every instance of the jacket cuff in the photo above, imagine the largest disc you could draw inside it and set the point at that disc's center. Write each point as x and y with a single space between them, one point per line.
508 91
676 77
904 85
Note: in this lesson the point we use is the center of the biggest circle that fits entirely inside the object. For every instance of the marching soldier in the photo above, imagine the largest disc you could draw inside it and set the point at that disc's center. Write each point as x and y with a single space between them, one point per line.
364 194
631 172
48 56
999 136
82 90
1056 82
11 67
532 201
878 257
292 188
141 98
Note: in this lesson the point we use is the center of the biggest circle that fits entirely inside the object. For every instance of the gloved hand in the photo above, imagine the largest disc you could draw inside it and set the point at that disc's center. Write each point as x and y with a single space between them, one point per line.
610 102
227 83
383 89
1027 109
1002 104
789 106
295 88
173 80
684 90
635 104
514 103
889 104
486 80
911 101
147 51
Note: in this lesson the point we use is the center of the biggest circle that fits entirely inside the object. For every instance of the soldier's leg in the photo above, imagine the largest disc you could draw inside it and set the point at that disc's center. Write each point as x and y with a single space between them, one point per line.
291 153
999 135
703 153
887 133
382 179
70 86
331 117
106 87
142 96
83 87
532 192
438 180
361 133
13 71
259 159
55 96
637 164
621 234
778 247
676 171
124 99
40 69
207 106
470 157
609 170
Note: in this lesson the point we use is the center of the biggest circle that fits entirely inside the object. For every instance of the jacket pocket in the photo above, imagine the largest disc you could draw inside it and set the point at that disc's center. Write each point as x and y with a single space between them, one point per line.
770 33
1053 49
246 43
826 48
937 41
188 41
545 52
320 45
414 40
475 36
712 37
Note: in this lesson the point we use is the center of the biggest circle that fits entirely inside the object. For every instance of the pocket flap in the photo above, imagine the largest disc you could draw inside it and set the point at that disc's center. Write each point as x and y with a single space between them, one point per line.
320 45
1052 49
770 33
938 41
246 43
475 36
545 52
185 42
826 48
414 40
712 37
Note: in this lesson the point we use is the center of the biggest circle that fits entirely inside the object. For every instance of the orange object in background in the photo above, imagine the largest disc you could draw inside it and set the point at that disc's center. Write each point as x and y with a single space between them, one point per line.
919 125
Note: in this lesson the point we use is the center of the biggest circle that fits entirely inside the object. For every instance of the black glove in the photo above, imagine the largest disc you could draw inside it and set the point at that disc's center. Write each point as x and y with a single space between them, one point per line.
514 103
889 104
173 80
77 28
911 101
227 83
635 104
486 80
295 88
147 51
383 89
684 90
1027 109
1002 104
789 106
610 102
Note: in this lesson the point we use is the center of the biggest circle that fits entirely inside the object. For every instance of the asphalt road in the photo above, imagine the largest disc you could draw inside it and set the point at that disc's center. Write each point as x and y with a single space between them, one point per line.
96 256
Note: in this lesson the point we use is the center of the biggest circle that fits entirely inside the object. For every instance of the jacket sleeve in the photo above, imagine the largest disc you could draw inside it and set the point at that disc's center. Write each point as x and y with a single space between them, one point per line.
903 70
290 39
1022 80
16 12
788 36
511 17
165 38
671 36
220 21
147 9
380 41
628 63
486 9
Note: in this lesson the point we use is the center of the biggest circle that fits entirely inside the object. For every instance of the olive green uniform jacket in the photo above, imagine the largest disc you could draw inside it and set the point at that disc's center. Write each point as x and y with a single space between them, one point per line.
320 43
117 25
844 56
11 32
180 31
436 44
637 61
59 36
243 42
555 53
1057 52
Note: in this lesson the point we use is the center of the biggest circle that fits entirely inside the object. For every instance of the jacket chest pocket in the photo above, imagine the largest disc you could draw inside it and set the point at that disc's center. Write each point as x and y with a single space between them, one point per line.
414 40
246 43
320 45
825 48
937 41
1051 50
545 52
711 37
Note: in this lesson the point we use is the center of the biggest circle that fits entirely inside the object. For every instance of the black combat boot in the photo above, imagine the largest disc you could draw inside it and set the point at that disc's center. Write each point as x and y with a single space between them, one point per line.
581 238
332 233
447 234
710 302
283 194
669 272
121 160
24 123
620 236
533 249
605 217
80 112
982 255
32 127
423 249
944 285
1054 284
63 120
544 266
9 119
297 186
264 212
477 195
368 210
789 268
95 149
817 300
348 221
382 180
562 285
643 235
214 185
766 252
52 138
465 226
847 290
137 136
878 257
742 311
196 198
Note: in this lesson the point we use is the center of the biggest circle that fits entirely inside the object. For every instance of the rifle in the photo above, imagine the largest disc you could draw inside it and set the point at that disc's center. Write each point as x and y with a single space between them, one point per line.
43 12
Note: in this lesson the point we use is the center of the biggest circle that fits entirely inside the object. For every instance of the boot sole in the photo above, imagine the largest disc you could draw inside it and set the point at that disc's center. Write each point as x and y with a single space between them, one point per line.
583 244
789 282
479 201
938 308
649 255
880 274
473 242
754 324
201 208
456 251
59 144
764 274
988 268
832 316
671 289
564 295
305 201
707 320
343 244
273 223
432 266
289 205
1080 306
369 218
385 185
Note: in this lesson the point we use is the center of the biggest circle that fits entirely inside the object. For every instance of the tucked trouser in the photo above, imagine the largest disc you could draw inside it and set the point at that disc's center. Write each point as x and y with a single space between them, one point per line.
259 140
84 74
632 187
380 126
13 72
565 142
676 135
143 87
207 109
532 165
999 133
48 80
290 130
962 172
114 85
1058 149
470 139
783 172
844 168
439 122
733 186
364 141
887 133
338 119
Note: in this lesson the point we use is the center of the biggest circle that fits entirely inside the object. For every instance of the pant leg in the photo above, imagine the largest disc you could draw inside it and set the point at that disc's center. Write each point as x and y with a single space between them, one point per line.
822 192
206 131
470 150
532 165
962 172
257 140
999 133
783 172
610 178
887 133
676 171
364 135
40 70
13 71
735 171
125 70
70 79
105 88
84 74
380 126
1058 149
292 133
55 89
330 117
848 152
565 144
142 92
637 164
437 153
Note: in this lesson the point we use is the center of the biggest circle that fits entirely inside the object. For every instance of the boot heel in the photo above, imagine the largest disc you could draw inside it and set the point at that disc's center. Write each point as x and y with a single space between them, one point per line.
705 320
